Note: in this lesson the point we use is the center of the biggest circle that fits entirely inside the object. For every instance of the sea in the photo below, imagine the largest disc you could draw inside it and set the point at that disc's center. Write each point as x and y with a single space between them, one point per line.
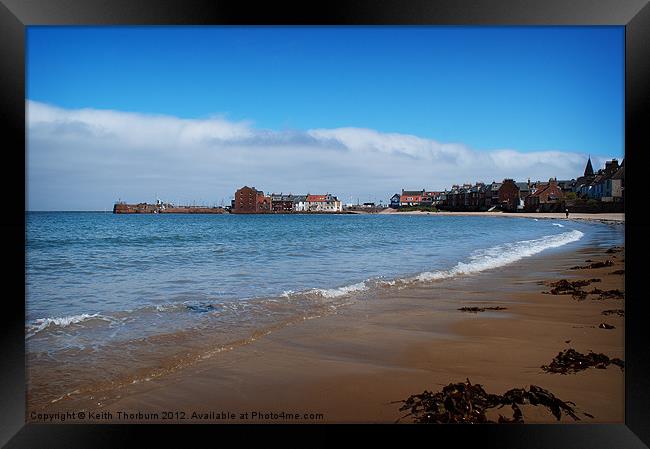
107 294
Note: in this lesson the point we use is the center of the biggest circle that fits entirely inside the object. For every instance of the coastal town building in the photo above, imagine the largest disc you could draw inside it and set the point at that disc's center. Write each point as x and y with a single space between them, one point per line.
547 197
617 185
300 203
567 185
477 196
508 195
323 203
249 200
282 203
492 195
605 187
411 197
395 201
584 182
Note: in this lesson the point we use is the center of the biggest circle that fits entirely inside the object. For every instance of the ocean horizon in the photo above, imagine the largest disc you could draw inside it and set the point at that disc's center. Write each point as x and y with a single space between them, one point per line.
99 265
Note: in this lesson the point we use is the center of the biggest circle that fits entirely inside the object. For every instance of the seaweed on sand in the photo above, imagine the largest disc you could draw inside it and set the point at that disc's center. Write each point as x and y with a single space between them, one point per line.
607 263
607 294
464 402
573 288
480 309
618 272
572 361
619 312
606 326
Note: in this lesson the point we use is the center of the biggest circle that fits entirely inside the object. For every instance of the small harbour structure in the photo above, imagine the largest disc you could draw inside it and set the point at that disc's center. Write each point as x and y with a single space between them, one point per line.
160 207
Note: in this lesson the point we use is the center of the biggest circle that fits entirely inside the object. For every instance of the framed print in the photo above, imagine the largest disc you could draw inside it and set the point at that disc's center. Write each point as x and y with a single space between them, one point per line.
358 214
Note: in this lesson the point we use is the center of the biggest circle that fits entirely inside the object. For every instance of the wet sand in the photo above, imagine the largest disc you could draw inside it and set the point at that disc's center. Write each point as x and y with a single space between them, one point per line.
351 365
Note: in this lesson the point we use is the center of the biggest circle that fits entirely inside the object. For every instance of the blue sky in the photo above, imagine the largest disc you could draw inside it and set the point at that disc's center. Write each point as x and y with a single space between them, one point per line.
529 90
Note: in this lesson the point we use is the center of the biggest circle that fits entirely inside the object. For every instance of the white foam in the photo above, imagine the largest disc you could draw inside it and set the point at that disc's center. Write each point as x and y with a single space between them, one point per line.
482 260
558 224
390 283
501 255
43 323
341 291
166 307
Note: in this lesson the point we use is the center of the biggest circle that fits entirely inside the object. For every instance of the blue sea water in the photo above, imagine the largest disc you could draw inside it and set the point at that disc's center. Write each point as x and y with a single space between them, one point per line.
94 278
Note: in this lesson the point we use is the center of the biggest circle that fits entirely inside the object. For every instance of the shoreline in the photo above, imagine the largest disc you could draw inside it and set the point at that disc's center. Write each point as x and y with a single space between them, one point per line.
599 217
351 365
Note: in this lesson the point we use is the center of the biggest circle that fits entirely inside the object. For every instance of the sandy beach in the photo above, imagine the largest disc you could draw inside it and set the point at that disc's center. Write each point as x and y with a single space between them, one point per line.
612 217
351 366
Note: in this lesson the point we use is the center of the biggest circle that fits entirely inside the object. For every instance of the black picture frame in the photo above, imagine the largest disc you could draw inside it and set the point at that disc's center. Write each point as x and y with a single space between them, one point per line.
15 15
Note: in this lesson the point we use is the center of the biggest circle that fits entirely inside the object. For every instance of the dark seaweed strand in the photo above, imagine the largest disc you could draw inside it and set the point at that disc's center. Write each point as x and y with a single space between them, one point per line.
466 403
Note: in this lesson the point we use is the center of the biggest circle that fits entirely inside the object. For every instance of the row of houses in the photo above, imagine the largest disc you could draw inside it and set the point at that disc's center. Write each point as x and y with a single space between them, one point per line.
414 198
606 185
249 200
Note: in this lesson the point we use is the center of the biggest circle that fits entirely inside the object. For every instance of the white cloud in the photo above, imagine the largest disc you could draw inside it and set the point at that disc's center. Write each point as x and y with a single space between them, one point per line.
87 158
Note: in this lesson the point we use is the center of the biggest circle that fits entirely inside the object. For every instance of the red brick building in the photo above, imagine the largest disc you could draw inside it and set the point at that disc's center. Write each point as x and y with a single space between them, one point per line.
547 198
508 195
249 200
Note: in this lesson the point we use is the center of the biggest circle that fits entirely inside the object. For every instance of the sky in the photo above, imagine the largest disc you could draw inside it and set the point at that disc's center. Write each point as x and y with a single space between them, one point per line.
190 114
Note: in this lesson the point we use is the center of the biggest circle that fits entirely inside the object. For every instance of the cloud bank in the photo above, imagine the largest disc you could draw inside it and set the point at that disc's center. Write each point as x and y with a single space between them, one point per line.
85 159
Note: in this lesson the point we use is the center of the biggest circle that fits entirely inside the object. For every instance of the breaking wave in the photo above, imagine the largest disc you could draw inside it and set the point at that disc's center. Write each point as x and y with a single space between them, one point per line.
341 291
501 255
494 257
40 324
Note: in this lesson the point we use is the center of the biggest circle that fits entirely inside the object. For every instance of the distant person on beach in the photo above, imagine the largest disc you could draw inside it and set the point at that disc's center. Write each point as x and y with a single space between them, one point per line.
567 212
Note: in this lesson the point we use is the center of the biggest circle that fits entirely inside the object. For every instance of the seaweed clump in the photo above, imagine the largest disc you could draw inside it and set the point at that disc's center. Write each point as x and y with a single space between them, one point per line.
619 312
607 294
573 288
466 403
607 263
572 361
480 309
201 308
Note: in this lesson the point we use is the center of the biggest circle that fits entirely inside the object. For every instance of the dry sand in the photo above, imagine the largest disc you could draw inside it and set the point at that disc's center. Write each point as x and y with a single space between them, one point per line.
351 366
612 217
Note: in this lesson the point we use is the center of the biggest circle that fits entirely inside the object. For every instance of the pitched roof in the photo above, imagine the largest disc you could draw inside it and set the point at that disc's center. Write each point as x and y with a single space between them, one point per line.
410 198
321 198
620 173
281 197
589 170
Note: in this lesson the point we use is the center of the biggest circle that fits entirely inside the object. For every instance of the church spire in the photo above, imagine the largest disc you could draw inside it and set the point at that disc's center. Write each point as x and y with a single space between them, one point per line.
589 171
